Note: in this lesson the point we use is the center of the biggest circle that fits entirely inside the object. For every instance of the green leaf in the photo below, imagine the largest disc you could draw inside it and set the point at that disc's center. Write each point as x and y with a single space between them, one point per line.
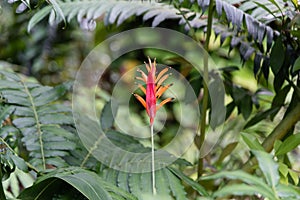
288 144
268 166
260 116
19 162
108 115
57 9
288 192
161 179
39 120
252 142
86 182
241 190
37 17
167 184
296 65
283 169
280 96
6 111
245 177
24 122
266 8
176 188
196 186
57 118
277 56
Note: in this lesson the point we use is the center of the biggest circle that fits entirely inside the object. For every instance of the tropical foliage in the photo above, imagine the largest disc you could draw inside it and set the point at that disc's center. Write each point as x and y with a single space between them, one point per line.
256 45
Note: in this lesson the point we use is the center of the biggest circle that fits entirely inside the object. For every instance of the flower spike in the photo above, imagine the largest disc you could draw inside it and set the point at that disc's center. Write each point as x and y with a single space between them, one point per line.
154 88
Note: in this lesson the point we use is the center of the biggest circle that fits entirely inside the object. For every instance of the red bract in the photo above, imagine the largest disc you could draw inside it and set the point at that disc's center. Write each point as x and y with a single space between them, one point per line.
154 89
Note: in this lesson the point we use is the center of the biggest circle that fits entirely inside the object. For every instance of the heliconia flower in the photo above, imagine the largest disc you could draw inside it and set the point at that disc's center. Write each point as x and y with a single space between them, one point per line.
154 89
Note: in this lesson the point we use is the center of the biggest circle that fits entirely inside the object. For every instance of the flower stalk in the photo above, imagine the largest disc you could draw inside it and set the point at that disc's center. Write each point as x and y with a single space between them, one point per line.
153 91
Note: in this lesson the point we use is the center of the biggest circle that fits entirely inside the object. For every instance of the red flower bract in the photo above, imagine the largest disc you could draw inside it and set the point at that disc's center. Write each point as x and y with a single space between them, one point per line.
154 89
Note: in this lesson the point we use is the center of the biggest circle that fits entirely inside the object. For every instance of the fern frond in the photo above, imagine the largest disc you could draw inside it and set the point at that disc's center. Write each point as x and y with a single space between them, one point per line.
110 11
39 119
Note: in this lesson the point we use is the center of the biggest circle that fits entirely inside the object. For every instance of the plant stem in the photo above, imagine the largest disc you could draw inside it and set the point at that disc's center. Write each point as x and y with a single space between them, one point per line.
152 162
2 194
205 87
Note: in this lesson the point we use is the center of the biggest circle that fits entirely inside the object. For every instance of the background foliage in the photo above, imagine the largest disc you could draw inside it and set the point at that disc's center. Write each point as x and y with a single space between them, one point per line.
255 44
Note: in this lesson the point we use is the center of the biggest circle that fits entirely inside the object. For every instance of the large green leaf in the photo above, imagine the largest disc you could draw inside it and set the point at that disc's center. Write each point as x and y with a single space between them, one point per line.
86 182
168 185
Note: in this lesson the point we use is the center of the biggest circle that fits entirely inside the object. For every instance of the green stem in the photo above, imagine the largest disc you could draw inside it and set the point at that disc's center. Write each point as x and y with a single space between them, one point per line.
152 162
2 194
205 87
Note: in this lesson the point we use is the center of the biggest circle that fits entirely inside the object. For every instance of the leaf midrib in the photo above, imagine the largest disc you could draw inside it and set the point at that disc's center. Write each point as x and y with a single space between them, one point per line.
38 125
